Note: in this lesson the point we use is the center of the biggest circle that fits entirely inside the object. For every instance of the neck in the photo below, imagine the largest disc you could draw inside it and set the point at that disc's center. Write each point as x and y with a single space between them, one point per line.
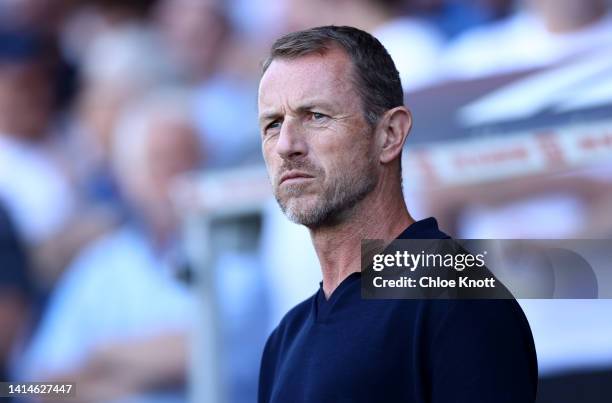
381 215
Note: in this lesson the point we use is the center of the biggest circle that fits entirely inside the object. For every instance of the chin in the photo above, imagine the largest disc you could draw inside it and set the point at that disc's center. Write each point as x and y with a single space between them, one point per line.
300 211
312 216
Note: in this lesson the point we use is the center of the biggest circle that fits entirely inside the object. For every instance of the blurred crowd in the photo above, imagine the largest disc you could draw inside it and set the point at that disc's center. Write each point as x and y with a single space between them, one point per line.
104 103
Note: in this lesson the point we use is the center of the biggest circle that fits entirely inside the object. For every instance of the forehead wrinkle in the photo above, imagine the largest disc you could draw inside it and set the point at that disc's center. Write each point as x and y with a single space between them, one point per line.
291 84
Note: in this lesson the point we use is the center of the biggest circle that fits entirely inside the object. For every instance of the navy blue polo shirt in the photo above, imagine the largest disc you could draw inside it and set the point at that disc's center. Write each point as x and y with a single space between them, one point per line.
349 349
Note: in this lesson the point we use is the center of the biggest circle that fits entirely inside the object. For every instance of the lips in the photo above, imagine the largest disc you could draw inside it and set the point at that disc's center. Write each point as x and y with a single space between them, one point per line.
294 175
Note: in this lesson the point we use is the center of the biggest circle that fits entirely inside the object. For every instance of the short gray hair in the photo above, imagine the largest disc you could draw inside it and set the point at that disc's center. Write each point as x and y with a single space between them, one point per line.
376 78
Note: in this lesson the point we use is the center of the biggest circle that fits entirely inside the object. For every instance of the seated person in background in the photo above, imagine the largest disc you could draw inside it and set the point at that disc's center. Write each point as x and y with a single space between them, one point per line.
36 191
118 322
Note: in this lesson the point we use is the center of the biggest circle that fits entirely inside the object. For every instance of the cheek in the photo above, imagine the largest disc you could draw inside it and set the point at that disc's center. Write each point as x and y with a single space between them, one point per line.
336 156
354 160
273 167
270 159
338 168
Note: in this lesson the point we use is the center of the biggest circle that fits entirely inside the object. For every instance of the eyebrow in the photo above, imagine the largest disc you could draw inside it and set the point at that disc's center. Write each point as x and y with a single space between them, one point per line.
269 116
307 106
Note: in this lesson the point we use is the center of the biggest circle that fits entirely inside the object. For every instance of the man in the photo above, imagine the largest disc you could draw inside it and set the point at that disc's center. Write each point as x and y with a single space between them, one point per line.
333 126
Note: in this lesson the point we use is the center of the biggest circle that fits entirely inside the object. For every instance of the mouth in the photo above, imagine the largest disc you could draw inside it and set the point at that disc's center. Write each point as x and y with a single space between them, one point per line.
294 176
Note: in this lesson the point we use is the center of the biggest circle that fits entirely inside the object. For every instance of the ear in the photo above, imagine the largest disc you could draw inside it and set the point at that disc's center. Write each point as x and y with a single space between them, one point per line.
393 130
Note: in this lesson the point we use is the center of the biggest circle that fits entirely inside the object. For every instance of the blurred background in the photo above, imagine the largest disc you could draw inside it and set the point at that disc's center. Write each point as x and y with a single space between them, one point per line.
141 252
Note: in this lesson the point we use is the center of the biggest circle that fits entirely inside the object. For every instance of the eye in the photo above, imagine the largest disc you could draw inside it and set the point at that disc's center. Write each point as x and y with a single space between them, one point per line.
317 116
275 125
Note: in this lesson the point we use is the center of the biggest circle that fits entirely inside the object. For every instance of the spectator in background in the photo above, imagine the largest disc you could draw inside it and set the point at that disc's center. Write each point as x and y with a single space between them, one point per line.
15 291
201 39
118 322
413 43
36 191
118 67
541 33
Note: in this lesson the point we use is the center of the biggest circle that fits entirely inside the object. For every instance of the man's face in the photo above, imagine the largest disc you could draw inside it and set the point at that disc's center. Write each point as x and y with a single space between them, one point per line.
316 143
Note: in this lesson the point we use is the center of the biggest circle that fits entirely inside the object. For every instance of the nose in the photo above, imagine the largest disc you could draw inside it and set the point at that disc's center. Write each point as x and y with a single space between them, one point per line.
291 143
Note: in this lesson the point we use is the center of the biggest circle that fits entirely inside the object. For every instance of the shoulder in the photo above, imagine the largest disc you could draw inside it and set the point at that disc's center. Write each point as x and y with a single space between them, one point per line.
485 328
501 319
280 339
495 330
483 345
289 326
492 310
292 322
